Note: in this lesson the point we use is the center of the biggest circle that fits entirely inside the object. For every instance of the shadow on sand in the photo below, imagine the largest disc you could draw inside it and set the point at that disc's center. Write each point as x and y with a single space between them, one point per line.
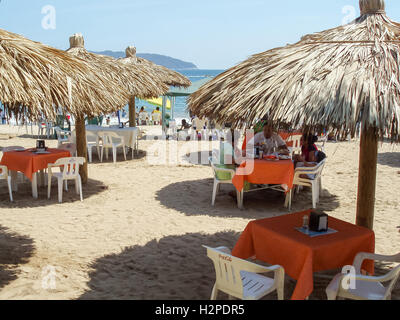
23 197
14 250
177 268
173 268
193 198
391 159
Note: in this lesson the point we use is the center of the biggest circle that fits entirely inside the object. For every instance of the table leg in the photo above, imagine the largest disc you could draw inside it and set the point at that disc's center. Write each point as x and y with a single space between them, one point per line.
34 186
14 180
42 179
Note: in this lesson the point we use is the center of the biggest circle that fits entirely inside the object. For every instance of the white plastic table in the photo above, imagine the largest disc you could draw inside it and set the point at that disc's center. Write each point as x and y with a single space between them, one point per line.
129 134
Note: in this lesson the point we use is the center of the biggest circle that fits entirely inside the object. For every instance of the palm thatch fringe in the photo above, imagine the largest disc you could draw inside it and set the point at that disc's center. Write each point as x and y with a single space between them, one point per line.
169 77
139 82
38 80
328 79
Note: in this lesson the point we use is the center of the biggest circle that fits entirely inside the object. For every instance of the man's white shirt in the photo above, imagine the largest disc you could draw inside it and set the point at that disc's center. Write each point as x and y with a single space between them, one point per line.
269 144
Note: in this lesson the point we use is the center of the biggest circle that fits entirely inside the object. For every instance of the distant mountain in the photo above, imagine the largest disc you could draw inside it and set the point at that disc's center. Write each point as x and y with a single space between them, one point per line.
159 59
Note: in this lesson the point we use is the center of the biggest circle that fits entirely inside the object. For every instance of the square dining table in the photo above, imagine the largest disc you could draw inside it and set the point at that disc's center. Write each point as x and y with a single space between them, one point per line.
277 241
30 163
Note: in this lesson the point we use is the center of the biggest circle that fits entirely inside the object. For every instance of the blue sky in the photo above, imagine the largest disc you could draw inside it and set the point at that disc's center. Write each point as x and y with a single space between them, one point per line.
215 34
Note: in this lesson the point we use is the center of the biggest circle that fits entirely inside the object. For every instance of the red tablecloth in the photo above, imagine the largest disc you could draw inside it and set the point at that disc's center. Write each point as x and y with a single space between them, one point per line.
28 162
264 172
276 241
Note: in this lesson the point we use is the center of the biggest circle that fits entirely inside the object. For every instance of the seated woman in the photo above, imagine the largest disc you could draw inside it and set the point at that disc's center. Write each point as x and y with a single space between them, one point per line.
314 158
308 149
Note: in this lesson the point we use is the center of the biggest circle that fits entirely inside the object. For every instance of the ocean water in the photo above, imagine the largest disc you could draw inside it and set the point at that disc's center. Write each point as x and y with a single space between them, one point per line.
180 105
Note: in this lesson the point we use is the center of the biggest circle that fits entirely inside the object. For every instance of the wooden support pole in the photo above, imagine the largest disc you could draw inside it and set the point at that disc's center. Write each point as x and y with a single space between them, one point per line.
132 112
367 177
81 147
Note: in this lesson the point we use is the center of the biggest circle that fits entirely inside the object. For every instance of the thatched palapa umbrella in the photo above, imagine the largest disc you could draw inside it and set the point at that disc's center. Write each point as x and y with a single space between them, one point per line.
337 78
167 76
127 78
37 79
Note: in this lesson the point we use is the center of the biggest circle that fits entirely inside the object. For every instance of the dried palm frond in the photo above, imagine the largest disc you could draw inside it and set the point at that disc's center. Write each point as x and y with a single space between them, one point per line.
336 78
138 82
38 80
169 77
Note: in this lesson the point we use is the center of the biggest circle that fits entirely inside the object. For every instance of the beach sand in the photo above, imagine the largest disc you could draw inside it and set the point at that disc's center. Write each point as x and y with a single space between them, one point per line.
138 233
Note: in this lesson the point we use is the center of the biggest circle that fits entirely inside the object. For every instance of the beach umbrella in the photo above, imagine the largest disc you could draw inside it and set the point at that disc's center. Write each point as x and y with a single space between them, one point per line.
167 76
126 76
37 80
159 102
135 80
345 78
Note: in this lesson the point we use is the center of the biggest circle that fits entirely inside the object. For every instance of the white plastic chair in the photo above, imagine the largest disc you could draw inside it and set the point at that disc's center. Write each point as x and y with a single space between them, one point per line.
315 183
321 143
14 175
92 141
69 171
218 182
5 176
173 129
199 124
41 128
63 137
113 141
365 287
143 117
243 279
296 140
156 117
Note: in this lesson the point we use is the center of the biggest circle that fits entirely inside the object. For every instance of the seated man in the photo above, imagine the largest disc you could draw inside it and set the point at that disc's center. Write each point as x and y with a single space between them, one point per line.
184 125
267 140
143 117
156 116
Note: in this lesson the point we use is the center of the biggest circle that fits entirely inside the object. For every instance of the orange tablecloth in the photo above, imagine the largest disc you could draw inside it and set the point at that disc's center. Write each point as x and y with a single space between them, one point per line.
275 241
264 172
28 162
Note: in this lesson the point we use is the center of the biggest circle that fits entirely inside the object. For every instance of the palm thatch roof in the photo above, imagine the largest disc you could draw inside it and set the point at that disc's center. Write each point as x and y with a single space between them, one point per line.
138 82
169 77
37 79
335 78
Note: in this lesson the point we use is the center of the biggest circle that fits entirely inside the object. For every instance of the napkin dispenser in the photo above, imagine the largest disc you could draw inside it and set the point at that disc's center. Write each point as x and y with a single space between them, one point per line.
318 221
40 144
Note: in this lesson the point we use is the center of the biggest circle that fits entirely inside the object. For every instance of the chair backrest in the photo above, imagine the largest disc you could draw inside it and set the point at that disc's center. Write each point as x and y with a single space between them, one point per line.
295 140
71 166
91 136
393 276
156 116
143 116
12 148
199 123
172 124
61 134
110 137
228 268
319 168
3 172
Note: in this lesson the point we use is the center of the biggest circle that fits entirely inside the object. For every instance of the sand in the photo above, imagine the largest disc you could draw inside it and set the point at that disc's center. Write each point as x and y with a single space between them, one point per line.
138 233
